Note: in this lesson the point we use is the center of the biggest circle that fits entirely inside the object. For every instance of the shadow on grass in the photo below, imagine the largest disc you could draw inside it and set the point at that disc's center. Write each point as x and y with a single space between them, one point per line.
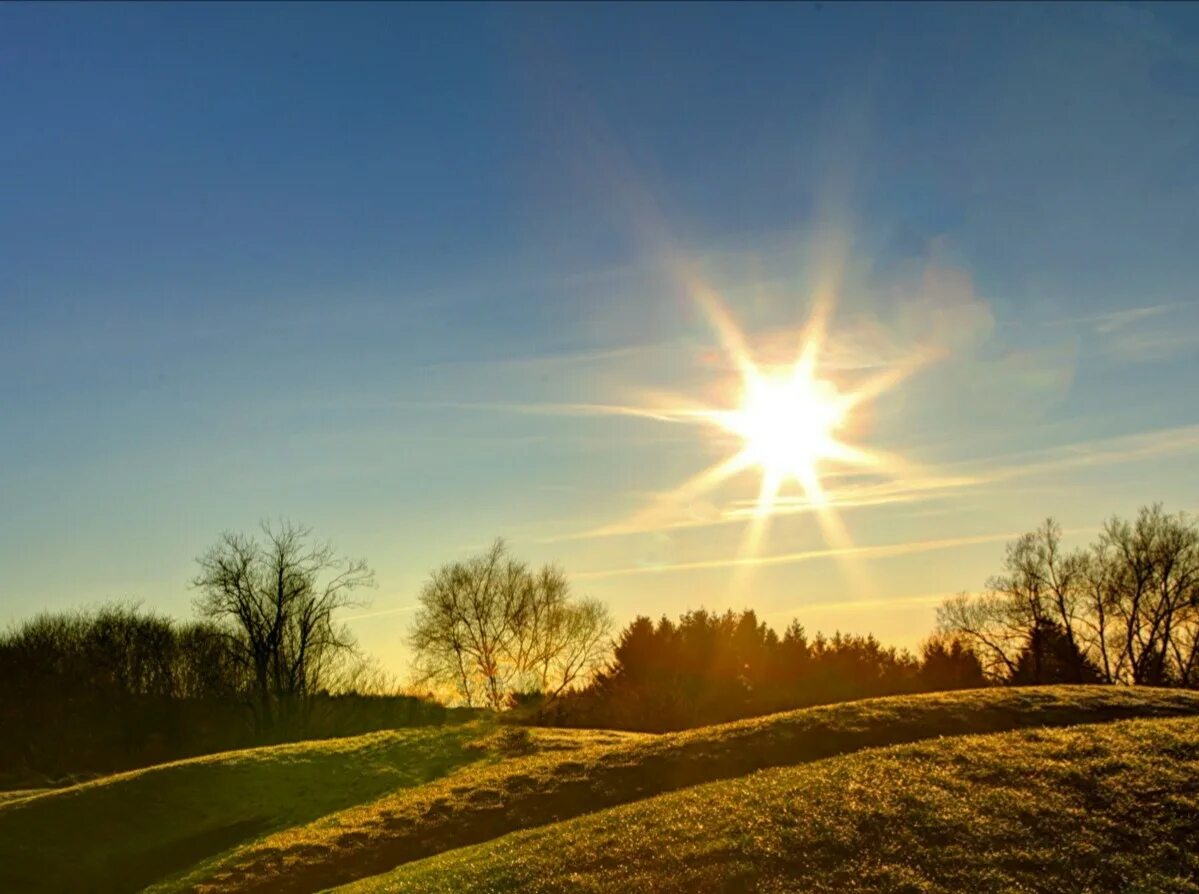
528 792
175 856
132 830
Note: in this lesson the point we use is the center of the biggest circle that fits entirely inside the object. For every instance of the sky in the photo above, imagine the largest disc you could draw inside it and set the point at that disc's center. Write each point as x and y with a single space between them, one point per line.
422 276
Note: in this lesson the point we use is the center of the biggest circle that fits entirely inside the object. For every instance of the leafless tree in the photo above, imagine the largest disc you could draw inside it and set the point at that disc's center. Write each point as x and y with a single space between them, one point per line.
1151 596
1129 604
984 621
489 626
1039 584
276 599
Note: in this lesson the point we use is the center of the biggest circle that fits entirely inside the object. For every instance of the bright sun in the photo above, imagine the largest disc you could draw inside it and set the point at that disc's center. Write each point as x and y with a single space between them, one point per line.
792 422
788 421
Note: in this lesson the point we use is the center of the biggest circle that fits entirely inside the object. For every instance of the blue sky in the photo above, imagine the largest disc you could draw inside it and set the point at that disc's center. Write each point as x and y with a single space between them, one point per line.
395 270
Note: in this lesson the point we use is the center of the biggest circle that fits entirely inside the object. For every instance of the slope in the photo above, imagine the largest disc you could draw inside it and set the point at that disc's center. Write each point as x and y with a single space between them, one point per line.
484 802
1111 807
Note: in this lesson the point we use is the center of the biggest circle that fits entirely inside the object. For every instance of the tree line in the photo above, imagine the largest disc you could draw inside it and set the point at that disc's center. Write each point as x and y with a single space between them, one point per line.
709 668
265 660
269 658
1123 610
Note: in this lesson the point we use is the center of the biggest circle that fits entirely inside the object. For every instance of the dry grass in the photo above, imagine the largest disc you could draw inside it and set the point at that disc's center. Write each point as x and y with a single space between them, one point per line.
124 832
300 818
482 803
1111 807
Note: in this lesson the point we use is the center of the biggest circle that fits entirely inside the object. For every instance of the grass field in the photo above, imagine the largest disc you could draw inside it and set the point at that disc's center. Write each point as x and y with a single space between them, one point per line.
128 831
440 803
1112 807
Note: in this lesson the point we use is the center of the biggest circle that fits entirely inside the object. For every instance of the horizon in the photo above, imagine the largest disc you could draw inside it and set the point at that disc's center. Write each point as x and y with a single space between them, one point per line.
418 280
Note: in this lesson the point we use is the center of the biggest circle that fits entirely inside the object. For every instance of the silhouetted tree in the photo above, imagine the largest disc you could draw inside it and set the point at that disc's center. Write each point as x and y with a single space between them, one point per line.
949 663
276 599
489 627
1145 592
1126 608
1050 656
118 687
708 667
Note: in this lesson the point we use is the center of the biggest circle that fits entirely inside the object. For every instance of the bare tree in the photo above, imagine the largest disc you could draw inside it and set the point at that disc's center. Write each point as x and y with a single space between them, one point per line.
576 642
1040 584
985 623
1127 608
489 626
276 599
1151 596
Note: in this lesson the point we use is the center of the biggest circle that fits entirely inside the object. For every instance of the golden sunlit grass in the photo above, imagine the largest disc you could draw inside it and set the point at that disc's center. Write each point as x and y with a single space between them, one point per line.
1088 808
300 818
481 802
126 831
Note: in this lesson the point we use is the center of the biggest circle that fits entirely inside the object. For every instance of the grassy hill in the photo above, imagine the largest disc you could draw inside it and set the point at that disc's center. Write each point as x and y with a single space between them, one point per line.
1112 807
127 831
314 815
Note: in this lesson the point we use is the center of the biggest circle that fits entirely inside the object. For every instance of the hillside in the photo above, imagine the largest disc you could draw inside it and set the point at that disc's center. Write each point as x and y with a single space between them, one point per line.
130 830
314 815
1111 807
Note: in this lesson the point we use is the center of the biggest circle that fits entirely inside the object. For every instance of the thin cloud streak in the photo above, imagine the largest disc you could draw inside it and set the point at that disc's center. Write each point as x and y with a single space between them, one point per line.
538 361
881 551
1111 321
387 611
1099 452
550 409
850 605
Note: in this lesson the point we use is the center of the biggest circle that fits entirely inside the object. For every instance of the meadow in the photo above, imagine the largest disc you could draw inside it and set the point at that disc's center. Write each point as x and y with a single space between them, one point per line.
922 792
1111 807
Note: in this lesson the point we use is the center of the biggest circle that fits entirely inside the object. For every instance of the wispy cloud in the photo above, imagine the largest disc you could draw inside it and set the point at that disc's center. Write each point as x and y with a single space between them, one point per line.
549 409
1100 452
1136 334
1119 319
662 517
880 551
1111 321
542 361
844 605
954 480
398 610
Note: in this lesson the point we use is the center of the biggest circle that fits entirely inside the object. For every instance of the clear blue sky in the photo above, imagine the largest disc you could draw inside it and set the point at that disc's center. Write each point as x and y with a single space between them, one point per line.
392 270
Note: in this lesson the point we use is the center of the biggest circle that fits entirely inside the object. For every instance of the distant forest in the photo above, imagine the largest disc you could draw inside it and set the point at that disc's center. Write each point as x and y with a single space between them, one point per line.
266 659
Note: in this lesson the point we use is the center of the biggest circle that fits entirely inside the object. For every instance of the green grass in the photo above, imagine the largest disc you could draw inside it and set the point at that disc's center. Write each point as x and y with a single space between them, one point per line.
127 831
303 817
1111 807
484 802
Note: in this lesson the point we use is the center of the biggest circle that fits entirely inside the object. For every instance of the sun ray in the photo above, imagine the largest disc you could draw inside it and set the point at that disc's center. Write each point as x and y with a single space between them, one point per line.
888 379
697 484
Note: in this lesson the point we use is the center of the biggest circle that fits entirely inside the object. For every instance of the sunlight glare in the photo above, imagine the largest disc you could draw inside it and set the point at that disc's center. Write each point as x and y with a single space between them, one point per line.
788 422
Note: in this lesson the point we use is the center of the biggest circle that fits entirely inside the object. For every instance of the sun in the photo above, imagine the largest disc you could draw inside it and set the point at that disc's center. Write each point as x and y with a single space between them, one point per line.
792 421
788 421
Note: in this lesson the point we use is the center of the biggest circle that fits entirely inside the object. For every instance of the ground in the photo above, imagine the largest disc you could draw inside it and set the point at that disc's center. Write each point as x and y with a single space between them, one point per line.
1067 788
